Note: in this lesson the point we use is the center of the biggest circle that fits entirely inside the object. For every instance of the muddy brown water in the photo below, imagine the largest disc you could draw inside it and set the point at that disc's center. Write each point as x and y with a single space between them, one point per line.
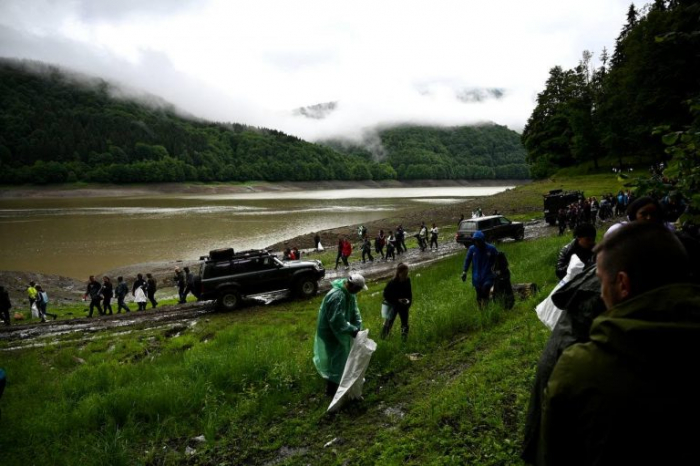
79 236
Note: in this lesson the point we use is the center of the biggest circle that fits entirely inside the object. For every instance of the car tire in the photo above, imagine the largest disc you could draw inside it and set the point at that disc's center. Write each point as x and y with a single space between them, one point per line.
306 287
228 300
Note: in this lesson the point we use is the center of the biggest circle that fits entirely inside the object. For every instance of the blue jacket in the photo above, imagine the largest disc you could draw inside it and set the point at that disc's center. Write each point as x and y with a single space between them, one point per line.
483 259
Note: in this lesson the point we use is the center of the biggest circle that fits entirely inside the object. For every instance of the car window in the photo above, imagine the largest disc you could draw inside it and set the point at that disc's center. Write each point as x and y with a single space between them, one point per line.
469 225
504 221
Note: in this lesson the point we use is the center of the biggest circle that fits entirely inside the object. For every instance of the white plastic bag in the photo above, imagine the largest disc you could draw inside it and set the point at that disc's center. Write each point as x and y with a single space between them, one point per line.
548 313
353 379
35 311
320 246
386 310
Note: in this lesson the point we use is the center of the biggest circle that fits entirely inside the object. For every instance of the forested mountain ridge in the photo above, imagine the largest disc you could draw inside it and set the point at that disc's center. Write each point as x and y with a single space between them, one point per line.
460 152
56 127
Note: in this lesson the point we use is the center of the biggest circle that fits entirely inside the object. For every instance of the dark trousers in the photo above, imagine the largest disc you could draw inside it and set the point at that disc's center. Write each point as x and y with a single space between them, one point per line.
390 252
367 253
337 259
379 250
107 305
403 315
181 293
95 303
152 298
433 240
483 294
121 305
43 313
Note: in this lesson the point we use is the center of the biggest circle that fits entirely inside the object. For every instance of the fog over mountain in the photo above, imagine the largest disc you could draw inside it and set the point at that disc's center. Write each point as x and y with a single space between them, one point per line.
318 69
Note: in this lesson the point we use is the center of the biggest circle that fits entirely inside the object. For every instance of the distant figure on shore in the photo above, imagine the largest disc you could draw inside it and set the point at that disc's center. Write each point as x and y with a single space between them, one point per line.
151 290
460 220
340 252
93 292
400 240
189 277
31 295
107 294
346 251
379 243
434 237
181 283
5 305
42 302
121 292
317 241
140 297
296 253
422 237
367 250
138 283
390 246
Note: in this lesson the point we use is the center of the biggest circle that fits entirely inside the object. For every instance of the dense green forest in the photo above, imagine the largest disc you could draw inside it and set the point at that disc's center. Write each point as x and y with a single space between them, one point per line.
58 127
624 110
462 152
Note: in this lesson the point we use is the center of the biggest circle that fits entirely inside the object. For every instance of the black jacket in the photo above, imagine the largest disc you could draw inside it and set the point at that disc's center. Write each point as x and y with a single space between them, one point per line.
396 290
586 256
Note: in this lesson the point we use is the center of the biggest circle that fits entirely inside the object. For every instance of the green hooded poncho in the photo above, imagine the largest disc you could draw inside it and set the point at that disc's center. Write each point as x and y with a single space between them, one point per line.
338 319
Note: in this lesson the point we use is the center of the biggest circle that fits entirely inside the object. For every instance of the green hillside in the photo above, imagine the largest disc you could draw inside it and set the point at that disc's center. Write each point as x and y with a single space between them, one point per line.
56 127
461 152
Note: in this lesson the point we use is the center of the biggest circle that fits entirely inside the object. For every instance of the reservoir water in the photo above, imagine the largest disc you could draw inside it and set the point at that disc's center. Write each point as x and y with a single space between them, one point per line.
76 237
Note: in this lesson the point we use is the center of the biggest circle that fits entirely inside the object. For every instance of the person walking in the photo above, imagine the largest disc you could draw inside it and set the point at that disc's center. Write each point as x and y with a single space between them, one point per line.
390 246
93 292
367 250
189 278
138 283
400 237
5 305
42 302
346 251
483 257
625 397
337 324
399 296
121 291
339 257
140 297
434 237
181 283
423 237
379 244
107 294
31 295
317 241
151 290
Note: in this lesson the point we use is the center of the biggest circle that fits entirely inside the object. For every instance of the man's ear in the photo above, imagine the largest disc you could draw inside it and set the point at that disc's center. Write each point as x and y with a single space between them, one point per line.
624 286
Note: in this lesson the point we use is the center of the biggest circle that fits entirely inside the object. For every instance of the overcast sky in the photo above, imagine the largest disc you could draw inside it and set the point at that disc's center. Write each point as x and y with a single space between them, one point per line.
383 62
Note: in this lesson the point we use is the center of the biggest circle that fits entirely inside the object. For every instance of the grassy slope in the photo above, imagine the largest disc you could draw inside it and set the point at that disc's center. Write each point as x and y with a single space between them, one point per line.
246 382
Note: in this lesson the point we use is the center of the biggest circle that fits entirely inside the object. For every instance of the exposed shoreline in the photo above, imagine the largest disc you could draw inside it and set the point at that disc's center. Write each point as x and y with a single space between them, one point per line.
135 190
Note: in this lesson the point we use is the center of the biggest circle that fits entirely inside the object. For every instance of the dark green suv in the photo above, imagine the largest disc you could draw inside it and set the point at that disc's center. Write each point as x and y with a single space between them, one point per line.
494 227
228 277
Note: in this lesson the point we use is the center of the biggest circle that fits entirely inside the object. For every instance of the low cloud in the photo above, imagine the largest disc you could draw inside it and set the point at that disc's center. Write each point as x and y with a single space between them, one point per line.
260 63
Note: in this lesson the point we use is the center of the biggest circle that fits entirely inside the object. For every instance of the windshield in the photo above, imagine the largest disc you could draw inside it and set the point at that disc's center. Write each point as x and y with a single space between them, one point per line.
468 226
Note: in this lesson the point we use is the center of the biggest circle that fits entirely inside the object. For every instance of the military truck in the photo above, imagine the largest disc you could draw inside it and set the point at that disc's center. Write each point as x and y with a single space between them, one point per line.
556 199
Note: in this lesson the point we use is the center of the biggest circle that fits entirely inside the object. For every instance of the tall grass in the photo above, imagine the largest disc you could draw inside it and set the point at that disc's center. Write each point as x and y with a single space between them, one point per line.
139 398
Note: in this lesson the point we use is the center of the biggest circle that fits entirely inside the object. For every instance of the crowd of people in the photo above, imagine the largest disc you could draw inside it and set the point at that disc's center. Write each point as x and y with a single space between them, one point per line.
100 293
385 245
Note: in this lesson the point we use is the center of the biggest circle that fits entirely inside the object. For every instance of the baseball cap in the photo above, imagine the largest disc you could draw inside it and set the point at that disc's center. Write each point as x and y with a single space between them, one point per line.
357 280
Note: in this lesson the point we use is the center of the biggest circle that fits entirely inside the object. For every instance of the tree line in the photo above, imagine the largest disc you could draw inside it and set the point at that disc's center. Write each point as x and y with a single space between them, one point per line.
613 112
56 127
